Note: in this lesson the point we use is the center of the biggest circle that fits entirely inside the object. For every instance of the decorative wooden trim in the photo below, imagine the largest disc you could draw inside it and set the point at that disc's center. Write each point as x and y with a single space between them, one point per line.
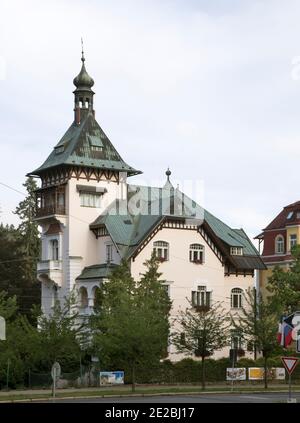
211 244
63 174
148 238
100 231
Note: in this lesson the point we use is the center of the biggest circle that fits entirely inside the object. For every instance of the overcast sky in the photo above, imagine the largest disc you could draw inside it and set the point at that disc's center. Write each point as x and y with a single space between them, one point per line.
210 88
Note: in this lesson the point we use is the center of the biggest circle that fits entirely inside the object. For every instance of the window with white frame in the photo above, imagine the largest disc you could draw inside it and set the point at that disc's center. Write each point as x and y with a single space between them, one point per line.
89 199
293 240
109 253
236 251
279 244
197 253
54 250
236 298
201 297
161 250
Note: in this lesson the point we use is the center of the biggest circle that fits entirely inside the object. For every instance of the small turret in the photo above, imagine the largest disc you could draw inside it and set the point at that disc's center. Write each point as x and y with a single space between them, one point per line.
83 93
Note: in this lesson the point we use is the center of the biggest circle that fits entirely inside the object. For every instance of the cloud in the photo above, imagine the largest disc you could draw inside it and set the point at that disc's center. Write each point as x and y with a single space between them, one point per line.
205 87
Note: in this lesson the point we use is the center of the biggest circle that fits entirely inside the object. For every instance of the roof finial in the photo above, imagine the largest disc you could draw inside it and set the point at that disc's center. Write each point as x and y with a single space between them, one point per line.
82 52
168 173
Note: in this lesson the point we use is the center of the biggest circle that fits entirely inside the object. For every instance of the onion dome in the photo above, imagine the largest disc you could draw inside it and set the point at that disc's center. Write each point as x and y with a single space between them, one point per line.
83 79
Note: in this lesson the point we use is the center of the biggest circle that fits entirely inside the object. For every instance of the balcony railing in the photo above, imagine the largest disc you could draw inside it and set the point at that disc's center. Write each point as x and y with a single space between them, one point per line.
48 265
50 210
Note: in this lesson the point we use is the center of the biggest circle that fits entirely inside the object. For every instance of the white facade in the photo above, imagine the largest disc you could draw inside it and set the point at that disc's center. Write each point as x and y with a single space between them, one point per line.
78 248
81 179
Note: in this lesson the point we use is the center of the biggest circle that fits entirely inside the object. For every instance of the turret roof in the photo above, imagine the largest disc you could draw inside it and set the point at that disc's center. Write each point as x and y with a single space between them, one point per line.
77 148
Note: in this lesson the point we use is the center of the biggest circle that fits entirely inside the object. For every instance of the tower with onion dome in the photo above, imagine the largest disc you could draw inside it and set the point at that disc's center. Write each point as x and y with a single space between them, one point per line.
81 177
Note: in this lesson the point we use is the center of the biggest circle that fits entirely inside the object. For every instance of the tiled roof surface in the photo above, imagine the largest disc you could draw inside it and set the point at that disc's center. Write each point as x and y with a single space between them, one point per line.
128 230
78 148
281 220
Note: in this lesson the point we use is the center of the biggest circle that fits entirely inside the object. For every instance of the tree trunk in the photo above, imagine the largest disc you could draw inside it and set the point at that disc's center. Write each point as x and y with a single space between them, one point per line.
203 373
266 373
133 378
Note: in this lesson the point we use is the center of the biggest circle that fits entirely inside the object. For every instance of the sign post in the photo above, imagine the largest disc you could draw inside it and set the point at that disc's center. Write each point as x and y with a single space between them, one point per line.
290 364
2 329
55 373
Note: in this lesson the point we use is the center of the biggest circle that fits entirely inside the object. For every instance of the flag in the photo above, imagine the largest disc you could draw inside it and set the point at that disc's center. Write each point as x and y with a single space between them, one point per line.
285 330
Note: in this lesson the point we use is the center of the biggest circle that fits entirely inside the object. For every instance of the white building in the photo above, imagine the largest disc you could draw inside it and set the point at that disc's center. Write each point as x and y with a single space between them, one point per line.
91 218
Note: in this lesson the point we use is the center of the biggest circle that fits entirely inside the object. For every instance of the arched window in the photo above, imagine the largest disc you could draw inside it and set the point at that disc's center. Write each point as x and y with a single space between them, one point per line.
236 298
83 297
96 293
279 244
54 249
161 250
197 253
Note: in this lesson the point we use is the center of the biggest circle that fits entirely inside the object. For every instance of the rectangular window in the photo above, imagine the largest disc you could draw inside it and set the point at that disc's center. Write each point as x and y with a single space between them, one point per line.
201 297
88 199
109 253
54 249
293 240
236 251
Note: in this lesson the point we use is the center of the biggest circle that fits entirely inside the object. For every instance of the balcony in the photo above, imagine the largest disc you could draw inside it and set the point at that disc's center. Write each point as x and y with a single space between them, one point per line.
50 201
50 270
50 210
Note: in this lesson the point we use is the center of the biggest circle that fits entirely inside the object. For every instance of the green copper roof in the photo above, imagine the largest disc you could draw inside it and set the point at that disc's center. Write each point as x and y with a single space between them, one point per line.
128 231
97 271
86 145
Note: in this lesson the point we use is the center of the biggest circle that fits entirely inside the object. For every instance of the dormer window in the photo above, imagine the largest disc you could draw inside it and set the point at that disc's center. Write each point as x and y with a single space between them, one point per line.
236 251
60 149
289 216
95 143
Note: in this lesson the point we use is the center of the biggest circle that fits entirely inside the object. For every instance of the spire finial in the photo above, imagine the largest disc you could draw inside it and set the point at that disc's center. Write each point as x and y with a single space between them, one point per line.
168 173
82 52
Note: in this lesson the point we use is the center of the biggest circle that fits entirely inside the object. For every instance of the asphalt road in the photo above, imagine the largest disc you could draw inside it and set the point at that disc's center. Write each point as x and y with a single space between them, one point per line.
176 399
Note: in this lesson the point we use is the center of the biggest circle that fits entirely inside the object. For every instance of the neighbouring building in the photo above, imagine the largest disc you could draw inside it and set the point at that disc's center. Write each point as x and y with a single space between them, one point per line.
91 217
277 240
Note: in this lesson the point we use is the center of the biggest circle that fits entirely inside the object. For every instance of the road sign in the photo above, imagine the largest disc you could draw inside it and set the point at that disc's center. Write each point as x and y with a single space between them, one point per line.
56 371
290 363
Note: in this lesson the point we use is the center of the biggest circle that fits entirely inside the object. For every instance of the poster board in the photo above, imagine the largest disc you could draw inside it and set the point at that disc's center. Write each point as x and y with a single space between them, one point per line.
237 373
111 378
257 373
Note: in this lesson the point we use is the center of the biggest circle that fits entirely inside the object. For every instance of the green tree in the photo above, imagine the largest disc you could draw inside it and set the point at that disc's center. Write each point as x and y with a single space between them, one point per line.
28 250
28 229
257 324
61 337
131 324
284 286
201 331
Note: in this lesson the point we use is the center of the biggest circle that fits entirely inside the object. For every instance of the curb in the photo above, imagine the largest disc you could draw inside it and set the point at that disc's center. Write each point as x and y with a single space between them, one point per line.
49 399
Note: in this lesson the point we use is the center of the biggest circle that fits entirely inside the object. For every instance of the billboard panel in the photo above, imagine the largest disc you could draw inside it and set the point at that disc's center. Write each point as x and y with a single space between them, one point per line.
112 378
237 373
257 373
